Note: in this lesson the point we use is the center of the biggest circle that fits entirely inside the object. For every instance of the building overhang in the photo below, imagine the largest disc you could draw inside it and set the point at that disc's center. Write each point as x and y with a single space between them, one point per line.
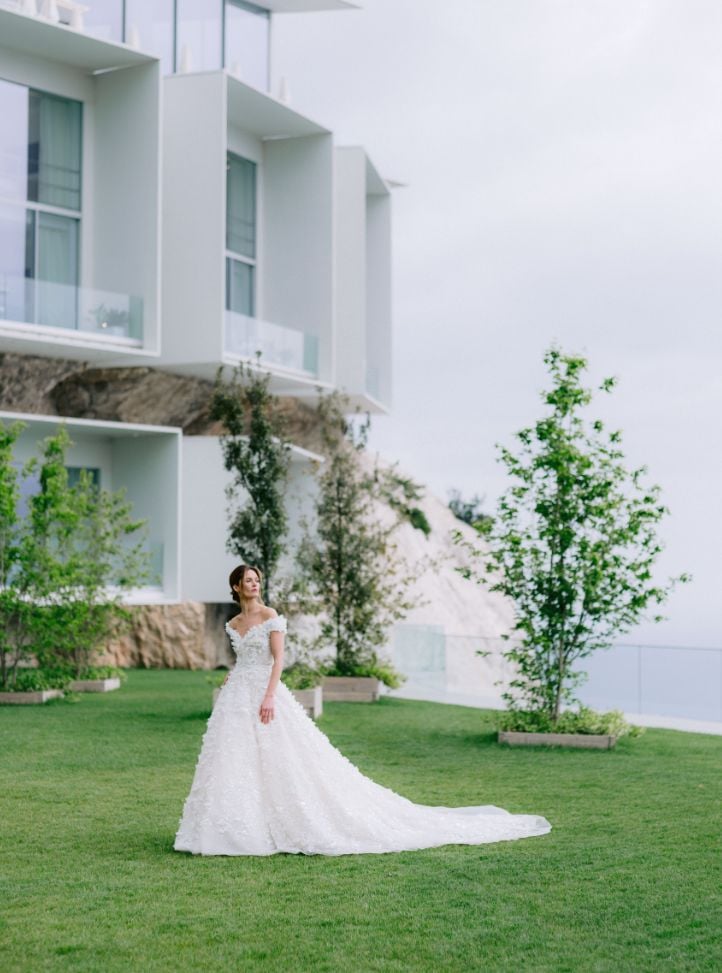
20 338
282 382
89 428
146 462
264 116
57 42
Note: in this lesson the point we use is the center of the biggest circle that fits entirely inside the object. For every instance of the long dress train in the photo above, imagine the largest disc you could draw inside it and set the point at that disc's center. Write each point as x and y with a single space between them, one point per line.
262 788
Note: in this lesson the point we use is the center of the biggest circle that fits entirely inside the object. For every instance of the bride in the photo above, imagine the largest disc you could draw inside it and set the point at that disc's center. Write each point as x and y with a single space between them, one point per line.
268 780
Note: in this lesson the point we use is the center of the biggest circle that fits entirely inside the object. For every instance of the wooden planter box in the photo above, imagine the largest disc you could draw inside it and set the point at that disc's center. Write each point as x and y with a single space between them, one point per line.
38 696
351 689
588 741
94 685
311 700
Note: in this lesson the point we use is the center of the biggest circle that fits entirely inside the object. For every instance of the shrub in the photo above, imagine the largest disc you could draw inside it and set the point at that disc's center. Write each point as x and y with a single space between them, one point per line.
300 675
29 680
376 669
584 720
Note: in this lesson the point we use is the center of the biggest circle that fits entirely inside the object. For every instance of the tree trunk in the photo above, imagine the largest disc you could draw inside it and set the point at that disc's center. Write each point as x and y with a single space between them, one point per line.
560 684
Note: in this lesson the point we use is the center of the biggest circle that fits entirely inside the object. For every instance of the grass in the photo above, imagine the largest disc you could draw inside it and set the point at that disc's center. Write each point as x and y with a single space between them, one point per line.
92 791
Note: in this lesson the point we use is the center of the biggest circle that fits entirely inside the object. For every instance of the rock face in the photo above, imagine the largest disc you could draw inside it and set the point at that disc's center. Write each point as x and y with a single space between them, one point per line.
27 381
134 395
57 386
188 635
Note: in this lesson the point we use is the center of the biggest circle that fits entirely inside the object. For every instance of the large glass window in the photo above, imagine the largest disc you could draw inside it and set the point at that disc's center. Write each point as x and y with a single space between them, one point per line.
13 141
104 19
40 176
198 44
240 234
54 148
247 37
241 206
149 24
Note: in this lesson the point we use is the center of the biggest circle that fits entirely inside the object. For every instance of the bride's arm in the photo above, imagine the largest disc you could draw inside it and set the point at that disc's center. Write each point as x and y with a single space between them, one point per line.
267 710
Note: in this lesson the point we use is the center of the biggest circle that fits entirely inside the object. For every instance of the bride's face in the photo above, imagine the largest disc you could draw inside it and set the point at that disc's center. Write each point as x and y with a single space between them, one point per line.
251 585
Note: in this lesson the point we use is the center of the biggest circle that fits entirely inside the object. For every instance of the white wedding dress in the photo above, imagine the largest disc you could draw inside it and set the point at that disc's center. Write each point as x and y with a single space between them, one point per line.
262 788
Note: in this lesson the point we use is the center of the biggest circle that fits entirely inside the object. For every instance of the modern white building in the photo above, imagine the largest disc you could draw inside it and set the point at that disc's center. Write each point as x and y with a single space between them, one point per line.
161 206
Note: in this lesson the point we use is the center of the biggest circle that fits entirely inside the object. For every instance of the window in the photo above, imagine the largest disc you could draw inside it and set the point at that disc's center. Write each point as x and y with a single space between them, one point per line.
240 234
40 177
92 472
246 41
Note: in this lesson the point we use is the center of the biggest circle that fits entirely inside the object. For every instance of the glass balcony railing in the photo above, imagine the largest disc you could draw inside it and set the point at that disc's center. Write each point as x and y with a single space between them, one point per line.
97 312
278 345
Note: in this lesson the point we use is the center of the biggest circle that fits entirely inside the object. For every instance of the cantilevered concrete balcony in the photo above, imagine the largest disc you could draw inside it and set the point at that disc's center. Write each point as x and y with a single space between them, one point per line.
209 117
105 306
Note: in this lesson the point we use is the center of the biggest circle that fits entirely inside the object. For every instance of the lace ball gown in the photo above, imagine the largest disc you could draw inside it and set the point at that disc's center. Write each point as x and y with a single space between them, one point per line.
262 788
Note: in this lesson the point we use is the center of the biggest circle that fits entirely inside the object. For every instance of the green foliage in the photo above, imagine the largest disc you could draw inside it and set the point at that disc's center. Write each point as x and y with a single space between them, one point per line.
583 720
257 455
401 494
16 608
106 672
376 669
302 675
30 680
349 565
573 544
468 511
68 562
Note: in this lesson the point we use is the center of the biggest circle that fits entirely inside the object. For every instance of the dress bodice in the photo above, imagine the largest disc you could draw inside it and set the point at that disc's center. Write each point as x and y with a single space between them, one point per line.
253 649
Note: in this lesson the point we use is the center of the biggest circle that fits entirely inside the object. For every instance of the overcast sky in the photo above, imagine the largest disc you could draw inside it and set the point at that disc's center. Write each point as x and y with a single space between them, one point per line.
563 162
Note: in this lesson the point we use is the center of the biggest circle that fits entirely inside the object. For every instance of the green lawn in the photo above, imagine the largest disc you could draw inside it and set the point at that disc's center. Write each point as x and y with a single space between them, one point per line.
92 791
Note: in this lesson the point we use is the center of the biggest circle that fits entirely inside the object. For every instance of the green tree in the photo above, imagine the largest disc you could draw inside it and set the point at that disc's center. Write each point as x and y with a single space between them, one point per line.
77 552
402 494
573 544
256 453
16 602
350 561
107 557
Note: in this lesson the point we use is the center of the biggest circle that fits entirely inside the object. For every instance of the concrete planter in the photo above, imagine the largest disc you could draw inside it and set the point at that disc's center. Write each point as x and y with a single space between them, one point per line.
311 700
216 694
94 685
38 696
587 741
351 689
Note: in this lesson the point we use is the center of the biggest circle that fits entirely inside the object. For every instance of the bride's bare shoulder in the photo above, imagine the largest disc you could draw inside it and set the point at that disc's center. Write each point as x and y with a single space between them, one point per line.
269 612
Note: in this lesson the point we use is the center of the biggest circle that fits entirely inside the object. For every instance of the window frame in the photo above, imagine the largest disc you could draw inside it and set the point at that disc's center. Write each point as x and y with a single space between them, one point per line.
233 255
25 205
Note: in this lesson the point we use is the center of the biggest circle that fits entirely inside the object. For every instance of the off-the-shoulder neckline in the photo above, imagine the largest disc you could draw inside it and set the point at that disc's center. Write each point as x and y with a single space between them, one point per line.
232 628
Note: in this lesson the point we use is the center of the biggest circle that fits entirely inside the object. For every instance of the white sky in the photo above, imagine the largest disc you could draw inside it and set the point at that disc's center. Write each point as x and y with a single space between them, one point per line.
563 162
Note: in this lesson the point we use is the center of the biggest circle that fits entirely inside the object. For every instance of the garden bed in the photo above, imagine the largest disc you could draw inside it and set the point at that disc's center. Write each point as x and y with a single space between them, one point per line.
589 741
30 697
95 685
351 689
311 700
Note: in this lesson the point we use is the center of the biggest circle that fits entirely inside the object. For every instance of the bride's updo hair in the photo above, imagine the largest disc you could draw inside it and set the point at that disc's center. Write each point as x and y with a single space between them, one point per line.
236 578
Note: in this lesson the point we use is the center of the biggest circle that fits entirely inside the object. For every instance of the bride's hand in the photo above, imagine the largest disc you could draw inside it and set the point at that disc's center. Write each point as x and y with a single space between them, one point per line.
266 710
